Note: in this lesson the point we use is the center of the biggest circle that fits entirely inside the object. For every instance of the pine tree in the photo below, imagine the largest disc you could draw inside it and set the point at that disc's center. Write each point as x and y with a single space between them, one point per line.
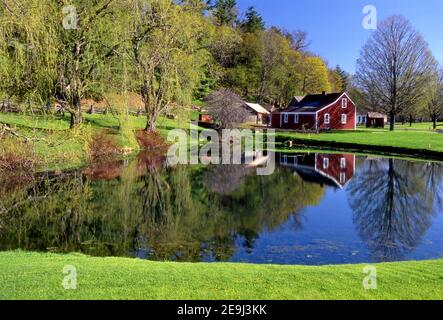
344 76
253 21
225 12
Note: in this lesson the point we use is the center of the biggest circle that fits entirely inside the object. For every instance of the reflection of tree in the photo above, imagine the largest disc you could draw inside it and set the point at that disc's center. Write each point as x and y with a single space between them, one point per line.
168 213
261 203
225 179
392 206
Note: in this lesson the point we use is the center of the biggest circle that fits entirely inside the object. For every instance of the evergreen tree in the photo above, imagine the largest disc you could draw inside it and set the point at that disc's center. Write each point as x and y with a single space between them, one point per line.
225 12
253 21
344 76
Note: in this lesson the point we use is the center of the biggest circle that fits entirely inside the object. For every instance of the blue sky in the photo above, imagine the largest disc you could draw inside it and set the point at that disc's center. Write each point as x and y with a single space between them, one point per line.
335 26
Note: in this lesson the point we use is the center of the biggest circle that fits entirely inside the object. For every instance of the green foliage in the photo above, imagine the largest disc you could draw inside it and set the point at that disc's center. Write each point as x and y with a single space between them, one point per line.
253 21
225 12
344 76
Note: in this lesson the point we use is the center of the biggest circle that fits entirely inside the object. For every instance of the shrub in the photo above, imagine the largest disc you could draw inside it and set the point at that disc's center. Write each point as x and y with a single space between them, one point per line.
103 145
16 155
151 140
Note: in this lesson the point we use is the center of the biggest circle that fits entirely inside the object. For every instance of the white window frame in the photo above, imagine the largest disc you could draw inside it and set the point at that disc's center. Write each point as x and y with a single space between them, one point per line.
344 119
325 163
342 163
285 159
342 177
286 118
344 103
327 118
296 118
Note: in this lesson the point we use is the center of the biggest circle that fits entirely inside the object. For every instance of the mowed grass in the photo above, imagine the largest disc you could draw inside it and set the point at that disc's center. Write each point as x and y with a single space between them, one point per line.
416 137
40 276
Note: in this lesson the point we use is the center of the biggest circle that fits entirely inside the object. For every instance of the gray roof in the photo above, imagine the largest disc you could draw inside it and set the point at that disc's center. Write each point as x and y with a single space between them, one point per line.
314 102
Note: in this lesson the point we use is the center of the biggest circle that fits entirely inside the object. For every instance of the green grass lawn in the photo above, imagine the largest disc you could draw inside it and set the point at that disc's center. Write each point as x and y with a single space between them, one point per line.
416 137
58 147
40 276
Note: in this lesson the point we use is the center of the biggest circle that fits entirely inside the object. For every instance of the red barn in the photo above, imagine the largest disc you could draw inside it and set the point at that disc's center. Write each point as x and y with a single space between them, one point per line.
318 112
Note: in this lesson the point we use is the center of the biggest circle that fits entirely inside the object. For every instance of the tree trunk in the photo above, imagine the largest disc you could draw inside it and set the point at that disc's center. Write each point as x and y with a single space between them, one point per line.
411 119
392 121
76 115
150 126
151 122
434 121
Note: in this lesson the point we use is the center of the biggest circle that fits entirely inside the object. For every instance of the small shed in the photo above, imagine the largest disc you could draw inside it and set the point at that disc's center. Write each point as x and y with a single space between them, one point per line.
259 114
376 120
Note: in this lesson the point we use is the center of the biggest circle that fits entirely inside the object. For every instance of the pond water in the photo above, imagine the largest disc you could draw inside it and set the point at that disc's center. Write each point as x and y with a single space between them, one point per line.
315 209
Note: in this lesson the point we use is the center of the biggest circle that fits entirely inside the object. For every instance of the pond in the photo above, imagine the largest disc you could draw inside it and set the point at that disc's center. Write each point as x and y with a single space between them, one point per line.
316 209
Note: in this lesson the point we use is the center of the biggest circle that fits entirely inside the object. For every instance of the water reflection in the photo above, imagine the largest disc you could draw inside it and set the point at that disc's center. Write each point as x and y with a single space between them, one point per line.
334 170
393 203
142 208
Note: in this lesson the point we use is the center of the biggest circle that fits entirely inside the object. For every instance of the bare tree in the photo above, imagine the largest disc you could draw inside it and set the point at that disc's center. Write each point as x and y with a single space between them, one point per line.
434 106
395 66
227 108
299 40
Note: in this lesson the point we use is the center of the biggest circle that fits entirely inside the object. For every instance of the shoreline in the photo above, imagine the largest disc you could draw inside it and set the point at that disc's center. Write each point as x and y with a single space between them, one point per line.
351 147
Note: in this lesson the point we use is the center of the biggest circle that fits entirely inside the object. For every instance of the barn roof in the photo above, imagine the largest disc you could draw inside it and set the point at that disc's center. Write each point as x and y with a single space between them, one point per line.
314 102
376 115
296 100
257 108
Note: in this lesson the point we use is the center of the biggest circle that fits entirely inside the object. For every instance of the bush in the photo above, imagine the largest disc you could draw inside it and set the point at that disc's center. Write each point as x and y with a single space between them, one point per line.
151 140
16 155
102 146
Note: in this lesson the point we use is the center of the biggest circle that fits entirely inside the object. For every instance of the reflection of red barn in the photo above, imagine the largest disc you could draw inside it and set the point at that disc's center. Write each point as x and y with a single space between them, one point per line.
335 170
318 112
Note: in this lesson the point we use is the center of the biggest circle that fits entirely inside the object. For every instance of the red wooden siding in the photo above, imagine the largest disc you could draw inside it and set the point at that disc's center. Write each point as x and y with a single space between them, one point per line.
337 169
305 121
335 116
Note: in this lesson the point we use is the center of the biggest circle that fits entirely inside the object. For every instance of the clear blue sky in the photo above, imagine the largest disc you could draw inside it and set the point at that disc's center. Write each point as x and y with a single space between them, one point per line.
335 26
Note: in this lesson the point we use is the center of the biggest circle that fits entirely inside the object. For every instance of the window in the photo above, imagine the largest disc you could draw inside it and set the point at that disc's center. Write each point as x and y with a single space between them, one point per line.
327 118
344 119
296 118
342 163
325 163
286 118
342 177
344 103
285 159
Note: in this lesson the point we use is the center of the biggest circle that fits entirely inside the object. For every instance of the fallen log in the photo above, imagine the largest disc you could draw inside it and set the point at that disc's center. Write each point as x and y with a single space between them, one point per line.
6 129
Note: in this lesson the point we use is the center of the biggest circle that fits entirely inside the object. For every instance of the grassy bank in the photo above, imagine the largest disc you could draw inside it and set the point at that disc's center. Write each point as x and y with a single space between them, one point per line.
414 141
39 276
58 147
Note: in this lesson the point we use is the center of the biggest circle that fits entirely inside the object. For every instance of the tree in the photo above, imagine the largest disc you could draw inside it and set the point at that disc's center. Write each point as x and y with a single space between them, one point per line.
225 12
166 55
434 105
299 40
226 107
395 65
253 21
61 50
337 84
315 76
25 44
393 205
344 76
